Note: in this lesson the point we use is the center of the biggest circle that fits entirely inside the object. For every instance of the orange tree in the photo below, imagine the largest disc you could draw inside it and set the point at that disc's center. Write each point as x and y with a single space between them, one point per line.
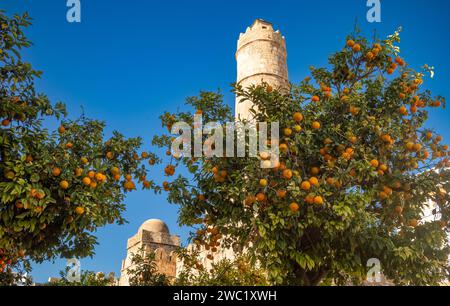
240 271
56 188
357 168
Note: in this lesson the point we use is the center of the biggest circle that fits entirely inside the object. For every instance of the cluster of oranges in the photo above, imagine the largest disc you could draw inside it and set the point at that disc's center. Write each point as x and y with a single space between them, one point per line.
372 57
18 113
9 259
219 175
208 238
169 170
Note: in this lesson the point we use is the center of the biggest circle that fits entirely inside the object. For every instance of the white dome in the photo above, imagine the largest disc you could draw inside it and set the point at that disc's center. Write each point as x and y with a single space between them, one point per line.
154 225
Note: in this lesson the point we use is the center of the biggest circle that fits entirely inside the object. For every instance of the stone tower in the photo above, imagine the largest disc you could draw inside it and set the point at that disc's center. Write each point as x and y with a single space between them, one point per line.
152 236
261 56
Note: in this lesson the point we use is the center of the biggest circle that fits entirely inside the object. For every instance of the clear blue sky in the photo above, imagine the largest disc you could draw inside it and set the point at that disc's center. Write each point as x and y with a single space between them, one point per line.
128 61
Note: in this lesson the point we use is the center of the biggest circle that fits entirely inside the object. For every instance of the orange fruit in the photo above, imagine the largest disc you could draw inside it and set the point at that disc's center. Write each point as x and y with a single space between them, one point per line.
330 181
281 193
166 186
56 171
84 160
350 43
387 190
309 199
386 138
287 174
293 207
109 155
144 155
91 174
314 181
267 164
117 177
223 173
115 170
19 205
169 170
40 195
283 147
128 177
6 122
298 117
315 125
383 195
417 147
297 128
398 210
354 110
263 182
383 167
315 99
86 181
370 55
315 170
318 200
356 48
305 185
93 185
263 155
249 200
374 163
99 176
260 197
287 132
413 222
79 210
69 145
64 185
399 61
61 129
129 185
410 146
402 110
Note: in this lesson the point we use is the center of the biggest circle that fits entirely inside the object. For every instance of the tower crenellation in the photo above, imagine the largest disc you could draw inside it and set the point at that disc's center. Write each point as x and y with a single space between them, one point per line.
261 56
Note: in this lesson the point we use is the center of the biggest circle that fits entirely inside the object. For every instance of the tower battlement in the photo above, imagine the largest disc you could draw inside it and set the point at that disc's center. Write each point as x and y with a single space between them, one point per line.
261 56
260 30
152 236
